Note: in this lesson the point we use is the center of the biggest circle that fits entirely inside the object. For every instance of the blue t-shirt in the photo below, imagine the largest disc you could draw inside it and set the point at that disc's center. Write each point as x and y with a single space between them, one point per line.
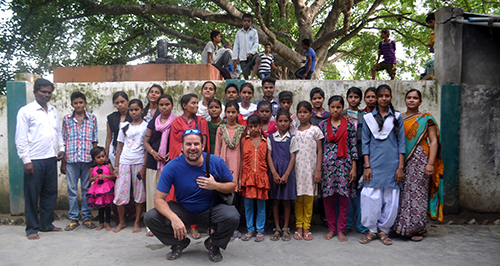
183 176
310 52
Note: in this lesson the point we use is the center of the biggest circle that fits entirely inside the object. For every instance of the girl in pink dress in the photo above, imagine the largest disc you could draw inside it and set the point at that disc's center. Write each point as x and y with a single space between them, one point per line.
101 192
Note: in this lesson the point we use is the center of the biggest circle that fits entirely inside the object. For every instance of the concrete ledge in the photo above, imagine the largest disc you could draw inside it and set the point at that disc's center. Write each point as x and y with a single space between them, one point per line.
146 72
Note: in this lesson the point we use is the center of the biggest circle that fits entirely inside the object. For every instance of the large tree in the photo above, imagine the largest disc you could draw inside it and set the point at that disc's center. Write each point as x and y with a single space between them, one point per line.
43 34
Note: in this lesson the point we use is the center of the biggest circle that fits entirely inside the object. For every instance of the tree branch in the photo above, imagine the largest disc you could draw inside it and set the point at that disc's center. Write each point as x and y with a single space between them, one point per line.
148 52
128 38
174 32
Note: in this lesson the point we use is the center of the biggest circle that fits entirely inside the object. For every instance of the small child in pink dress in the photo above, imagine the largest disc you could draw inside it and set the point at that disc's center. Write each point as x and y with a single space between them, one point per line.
101 192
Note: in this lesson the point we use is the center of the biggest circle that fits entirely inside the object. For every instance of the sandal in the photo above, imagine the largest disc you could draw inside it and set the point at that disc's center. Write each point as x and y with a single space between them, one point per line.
385 239
214 254
286 237
297 236
417 238
177 249
89 224
259 237
368 238
276 235
236 234
195 234
72 225
247 236
308 236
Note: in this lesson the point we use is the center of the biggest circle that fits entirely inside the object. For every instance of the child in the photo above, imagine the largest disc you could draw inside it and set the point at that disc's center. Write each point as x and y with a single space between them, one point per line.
268 87
286 101
307 169
227 141
339 172
267 125
114 122
387 48
267 62
383 145
129 159
307 70
370 99
79 131
355 115
102 189
156 144
151 110
317 96
215 108
247 108
254 181
282 148
208 90
231 93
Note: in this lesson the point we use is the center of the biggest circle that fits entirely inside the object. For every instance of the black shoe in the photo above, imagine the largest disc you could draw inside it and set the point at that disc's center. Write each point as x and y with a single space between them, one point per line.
214 254
177 249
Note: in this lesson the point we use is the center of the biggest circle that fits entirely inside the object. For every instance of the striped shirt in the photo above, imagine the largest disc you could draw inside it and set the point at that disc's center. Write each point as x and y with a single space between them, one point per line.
79 139
388 50
265 63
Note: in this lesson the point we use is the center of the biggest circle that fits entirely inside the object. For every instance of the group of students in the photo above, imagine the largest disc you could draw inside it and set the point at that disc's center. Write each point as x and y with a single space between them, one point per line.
376 164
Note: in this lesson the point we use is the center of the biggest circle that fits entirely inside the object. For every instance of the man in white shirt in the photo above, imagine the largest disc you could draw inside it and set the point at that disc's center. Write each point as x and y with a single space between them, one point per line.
211 54
245 49
40 145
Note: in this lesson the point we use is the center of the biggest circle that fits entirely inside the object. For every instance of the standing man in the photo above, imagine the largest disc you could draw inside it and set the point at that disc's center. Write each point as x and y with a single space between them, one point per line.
307 70
193 193
40 145
245 49
79 131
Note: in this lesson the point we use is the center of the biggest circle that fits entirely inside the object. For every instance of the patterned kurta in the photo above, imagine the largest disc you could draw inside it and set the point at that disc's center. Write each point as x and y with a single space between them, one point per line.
335 171
306 159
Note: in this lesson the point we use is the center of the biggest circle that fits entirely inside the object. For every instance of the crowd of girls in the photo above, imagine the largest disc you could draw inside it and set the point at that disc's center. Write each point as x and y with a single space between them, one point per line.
374 170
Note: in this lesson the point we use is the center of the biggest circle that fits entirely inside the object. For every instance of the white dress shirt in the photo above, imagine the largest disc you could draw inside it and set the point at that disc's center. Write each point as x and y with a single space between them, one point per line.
38 132
246 42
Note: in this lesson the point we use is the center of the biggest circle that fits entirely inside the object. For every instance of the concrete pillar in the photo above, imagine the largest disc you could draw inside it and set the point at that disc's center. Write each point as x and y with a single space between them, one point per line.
16 98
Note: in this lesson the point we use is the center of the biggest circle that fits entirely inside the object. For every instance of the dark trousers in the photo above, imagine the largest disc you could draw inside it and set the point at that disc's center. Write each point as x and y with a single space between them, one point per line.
300 73
225 217
40 186
247 65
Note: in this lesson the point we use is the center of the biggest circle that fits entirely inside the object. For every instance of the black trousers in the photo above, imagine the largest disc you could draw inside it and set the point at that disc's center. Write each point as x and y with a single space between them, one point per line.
225 217
300 73
40 186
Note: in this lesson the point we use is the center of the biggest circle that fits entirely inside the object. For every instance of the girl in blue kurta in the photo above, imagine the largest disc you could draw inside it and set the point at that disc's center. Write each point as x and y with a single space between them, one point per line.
383 146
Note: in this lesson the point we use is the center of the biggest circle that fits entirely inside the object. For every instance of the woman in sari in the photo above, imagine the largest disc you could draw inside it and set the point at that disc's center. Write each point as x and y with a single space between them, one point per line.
422 187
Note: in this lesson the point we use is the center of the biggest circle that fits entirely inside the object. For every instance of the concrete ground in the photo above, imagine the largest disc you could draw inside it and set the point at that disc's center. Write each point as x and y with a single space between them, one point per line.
444 245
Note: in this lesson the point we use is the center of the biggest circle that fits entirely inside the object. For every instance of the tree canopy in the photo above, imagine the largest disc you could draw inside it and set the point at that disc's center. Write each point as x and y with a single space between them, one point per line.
42 34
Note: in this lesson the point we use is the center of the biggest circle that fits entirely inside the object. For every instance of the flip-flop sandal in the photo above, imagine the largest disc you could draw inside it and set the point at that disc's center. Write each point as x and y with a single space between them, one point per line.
195 235
246 237
368 238
259 238
297 236
33 236
417 238
385 239
308 237
236 234
276 234
72 225
89 224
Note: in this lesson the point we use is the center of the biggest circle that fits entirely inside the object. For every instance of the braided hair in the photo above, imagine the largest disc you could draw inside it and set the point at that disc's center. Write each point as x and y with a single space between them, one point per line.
378 116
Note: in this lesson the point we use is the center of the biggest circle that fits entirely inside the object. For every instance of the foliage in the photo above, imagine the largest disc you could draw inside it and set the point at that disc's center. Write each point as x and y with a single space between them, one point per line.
42 34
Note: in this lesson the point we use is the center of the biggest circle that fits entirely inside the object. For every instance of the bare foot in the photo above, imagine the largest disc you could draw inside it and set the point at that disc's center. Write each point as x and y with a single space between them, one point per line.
55 229
33 237
119 227
329 235
108 227
100 227
137 228
150 233
342 237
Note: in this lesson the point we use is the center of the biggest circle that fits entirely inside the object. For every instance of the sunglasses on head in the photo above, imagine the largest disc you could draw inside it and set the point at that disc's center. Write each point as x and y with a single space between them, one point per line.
192 131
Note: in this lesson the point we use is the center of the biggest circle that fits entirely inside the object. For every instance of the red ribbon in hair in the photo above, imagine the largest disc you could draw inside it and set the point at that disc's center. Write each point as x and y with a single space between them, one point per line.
340 136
